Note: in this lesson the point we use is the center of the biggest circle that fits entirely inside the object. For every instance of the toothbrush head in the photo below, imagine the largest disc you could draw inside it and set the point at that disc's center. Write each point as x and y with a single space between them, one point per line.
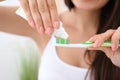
66 43
62 41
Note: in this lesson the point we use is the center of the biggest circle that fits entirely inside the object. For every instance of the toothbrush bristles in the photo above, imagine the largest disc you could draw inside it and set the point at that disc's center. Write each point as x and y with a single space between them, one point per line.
62 41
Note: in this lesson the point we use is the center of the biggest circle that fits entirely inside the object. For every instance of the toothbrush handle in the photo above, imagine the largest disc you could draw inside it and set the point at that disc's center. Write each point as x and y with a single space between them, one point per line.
106 43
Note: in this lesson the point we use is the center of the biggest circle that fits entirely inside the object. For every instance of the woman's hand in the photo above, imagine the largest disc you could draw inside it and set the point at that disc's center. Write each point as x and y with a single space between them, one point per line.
112 52
41 14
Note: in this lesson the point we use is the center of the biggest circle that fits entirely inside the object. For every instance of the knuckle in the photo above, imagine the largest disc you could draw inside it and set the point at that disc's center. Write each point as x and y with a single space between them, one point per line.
100 37
114 39
103 36
42 8
94 37
34 8
97 36
116 35
52 6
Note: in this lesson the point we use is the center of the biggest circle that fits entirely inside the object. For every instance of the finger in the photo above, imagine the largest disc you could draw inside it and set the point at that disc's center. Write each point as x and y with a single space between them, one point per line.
100 38
93 38
115 39
53 11
45 15
36 16
97 39
108 34
103 37
26 8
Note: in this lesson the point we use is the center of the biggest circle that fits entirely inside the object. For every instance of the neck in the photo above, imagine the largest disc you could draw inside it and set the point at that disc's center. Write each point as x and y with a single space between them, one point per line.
85 19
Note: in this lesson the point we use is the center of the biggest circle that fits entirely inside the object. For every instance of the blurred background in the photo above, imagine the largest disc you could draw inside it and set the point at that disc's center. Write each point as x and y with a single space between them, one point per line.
9 2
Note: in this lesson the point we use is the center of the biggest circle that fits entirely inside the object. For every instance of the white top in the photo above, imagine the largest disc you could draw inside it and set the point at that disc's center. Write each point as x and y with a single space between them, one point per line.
53 68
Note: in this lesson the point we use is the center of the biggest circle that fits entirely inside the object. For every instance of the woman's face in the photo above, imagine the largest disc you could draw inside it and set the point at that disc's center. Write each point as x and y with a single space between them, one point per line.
90 4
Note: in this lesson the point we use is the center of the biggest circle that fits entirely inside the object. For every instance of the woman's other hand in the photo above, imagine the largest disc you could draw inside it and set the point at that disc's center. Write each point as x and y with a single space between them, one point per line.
112 52
41 14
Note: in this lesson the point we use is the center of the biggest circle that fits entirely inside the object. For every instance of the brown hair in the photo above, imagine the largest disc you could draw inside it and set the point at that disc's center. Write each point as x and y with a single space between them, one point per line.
102 68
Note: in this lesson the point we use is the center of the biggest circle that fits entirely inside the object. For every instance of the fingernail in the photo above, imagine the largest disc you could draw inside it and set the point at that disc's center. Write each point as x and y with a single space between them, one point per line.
114 47
56 24
49 31
32 24
41 30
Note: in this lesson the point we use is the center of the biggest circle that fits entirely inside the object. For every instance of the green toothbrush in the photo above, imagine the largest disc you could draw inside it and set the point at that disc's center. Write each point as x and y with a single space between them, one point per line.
65 43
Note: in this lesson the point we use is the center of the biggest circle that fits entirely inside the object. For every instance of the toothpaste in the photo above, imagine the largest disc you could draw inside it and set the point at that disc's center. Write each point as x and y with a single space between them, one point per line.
61 33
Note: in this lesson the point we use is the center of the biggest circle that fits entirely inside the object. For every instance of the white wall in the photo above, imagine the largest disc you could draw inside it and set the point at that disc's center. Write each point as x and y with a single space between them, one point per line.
12 49
10 3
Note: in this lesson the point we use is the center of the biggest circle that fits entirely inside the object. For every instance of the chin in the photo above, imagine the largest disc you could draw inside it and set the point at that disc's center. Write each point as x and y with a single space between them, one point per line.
90 4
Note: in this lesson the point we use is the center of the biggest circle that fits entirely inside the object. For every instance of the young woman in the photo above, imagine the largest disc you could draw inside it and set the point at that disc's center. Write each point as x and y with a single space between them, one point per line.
82 21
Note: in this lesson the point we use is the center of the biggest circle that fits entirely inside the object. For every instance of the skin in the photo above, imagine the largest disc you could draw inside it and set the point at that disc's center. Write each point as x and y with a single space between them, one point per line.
41 14
89 4
76 22
113 52
11 23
